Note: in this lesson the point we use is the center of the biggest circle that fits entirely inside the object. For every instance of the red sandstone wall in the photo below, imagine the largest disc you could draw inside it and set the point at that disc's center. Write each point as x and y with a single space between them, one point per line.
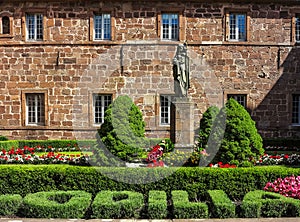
70 66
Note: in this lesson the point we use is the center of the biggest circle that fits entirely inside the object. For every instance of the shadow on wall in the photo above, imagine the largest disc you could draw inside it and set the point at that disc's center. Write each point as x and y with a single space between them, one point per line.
279 111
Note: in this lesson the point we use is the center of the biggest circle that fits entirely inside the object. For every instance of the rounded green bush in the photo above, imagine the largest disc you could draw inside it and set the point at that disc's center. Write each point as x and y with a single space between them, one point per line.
56 204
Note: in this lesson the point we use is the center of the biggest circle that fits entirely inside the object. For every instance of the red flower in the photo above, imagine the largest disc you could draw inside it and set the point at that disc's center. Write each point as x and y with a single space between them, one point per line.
11 152
161 163
210 165
286 156
226 165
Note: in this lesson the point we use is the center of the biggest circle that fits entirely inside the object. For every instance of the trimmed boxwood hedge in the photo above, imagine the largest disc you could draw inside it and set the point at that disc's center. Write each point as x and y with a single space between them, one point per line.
117 205
157 204
7 145
220 205
184 209
56 204
24 179
289 143
9 204
260 203
127 204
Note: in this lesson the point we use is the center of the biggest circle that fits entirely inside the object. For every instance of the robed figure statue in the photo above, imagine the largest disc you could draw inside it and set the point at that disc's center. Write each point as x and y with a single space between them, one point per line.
181 71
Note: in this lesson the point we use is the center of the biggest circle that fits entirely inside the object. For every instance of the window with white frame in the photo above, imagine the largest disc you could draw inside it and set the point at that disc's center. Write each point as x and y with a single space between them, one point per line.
165 109
237 26
296 110
170 26
35 109
297 28
102 26
100 105
240 98
34 26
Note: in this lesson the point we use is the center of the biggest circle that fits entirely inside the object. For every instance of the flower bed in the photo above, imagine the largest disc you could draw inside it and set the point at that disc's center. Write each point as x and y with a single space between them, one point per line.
282 159
27 155
289 186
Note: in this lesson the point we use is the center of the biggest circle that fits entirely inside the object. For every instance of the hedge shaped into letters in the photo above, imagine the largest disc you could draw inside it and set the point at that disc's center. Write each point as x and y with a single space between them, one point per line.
220 205
9 204
157 204
267 204
184 209
56 204
117 205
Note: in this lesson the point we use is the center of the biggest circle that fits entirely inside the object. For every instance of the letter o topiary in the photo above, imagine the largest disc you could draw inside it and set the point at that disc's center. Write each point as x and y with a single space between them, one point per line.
56 204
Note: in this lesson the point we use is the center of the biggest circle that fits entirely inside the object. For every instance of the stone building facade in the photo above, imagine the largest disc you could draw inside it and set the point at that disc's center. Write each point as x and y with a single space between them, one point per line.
63 62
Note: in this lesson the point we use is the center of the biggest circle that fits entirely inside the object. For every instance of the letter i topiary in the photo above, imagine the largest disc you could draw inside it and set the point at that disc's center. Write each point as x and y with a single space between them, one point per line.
123 129
241 143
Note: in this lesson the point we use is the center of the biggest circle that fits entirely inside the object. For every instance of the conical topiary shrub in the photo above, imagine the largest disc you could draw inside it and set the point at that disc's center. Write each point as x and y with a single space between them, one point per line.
123 129
241 143
206 123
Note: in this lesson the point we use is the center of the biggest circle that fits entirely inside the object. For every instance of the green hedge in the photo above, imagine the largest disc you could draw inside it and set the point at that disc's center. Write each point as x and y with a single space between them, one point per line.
266 204
9 204
7 145
57 143
56 204
236 182
220 205
127 204
117 204
157 204
48 144
184 209
291 143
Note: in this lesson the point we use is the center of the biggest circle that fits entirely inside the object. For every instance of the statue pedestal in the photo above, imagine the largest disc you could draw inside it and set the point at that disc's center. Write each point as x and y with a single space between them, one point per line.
182 123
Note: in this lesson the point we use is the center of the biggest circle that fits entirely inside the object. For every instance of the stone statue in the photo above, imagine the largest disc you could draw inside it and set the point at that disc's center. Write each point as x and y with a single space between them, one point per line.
181 71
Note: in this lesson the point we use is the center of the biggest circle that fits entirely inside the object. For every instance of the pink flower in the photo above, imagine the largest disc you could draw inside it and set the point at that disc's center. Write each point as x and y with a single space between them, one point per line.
289 186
